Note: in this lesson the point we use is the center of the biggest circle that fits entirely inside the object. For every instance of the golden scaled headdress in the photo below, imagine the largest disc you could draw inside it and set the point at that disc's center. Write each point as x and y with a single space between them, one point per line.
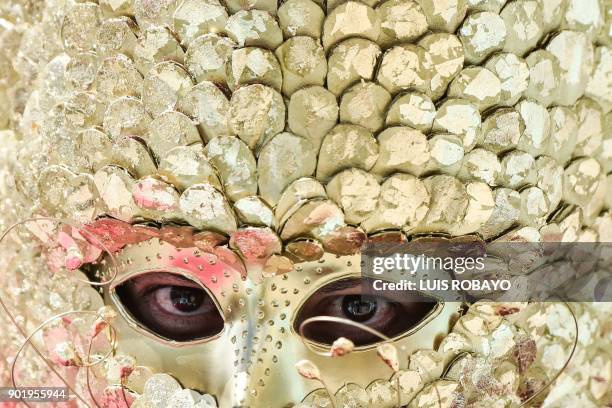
282 137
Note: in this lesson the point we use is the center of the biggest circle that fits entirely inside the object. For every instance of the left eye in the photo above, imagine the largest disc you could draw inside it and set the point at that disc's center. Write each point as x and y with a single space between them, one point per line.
171 306
180 299
388 314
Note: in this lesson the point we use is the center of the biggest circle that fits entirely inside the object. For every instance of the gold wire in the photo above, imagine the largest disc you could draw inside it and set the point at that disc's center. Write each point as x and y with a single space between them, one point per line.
334 319
386 339
571 355
50 320
27 338
547 385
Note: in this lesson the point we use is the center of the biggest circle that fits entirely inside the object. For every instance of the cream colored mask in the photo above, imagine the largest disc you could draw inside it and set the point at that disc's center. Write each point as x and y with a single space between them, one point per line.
247 356
220 166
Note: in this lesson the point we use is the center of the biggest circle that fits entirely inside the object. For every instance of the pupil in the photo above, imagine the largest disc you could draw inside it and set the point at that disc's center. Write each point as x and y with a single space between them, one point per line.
359 308
186 299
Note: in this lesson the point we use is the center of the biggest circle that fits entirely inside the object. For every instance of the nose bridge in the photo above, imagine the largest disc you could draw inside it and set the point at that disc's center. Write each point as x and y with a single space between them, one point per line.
242 335
267 346
276 345
260 333
272 346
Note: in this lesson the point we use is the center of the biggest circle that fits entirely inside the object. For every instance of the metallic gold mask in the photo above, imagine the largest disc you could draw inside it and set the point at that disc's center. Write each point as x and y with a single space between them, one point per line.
262 144
252 359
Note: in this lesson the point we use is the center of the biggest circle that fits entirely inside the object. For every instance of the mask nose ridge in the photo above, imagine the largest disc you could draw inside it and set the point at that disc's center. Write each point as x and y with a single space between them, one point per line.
245 335
273 347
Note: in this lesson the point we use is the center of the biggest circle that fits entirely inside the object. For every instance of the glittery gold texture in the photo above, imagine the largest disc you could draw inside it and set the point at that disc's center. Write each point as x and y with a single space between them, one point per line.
312 126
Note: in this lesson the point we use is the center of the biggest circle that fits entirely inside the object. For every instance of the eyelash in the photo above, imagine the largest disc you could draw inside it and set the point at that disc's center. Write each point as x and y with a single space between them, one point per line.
146 283
149 299
383 306
143 296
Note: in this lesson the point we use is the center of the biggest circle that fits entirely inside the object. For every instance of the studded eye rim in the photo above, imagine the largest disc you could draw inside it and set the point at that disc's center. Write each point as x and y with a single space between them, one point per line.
132 322
319 347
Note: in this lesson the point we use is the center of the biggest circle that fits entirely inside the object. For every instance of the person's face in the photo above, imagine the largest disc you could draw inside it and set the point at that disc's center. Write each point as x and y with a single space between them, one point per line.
231 329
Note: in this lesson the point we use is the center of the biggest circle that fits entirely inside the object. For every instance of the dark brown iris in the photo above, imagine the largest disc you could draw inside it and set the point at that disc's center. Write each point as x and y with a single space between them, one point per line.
171 306
390 313
359 308
186 299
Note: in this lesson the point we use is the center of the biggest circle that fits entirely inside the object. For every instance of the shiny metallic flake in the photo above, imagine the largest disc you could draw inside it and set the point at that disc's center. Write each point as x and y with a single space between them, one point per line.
285 158
256 113
165 86
346 146
365 104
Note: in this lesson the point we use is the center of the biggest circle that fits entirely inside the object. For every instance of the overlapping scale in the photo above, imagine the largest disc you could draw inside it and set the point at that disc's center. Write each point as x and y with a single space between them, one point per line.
346 146
168 130
312 112
513 72
256 113
165 86
285 158
184 166
275 112
125 116
401 21
116 77
365 104
446 153
117 35
302 62
207 56
350 19
301 17
193 18
482 34
254 28
401 149
412 109
311 125
253 65
208 107
206 208
157 44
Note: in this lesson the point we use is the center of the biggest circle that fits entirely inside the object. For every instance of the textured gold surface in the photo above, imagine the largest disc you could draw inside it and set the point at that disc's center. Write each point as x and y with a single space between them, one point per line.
307 127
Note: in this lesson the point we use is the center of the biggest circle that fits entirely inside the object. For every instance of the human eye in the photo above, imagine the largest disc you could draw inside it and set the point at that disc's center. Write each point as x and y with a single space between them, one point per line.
171 306
388 313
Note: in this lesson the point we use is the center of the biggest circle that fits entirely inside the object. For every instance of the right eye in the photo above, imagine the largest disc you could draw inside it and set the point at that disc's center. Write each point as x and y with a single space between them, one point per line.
389 314
172 306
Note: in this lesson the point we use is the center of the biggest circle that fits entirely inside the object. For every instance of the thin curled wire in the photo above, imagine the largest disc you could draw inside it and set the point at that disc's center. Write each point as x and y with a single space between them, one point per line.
28 340
87 367
28 337
571 355
552 380
334 319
